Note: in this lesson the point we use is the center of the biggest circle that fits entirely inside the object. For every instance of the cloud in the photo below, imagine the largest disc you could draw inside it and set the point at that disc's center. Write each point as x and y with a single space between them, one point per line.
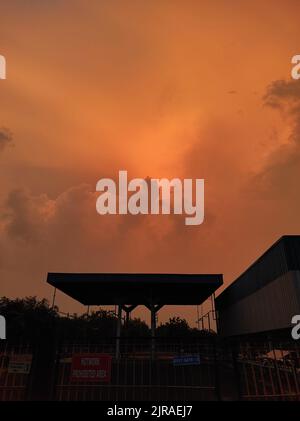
5 138
280 175
39 234
281 92
74 237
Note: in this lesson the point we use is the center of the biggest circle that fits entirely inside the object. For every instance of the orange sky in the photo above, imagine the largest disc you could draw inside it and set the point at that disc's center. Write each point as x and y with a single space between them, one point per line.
162 89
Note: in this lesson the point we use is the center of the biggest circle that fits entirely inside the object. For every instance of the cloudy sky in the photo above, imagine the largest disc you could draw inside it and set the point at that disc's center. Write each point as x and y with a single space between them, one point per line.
162 89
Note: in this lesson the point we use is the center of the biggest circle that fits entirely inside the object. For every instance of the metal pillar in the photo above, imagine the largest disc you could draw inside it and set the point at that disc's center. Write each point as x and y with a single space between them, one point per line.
153 328
53 299
198 318
128 310
119 324
153 309
216 314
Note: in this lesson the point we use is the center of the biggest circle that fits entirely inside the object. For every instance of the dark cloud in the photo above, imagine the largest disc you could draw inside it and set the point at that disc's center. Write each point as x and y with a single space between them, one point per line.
24 215
280 176
5 138
281 92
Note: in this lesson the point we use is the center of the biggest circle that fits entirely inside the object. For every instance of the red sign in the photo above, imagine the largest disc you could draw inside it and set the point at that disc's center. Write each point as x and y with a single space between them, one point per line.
91 368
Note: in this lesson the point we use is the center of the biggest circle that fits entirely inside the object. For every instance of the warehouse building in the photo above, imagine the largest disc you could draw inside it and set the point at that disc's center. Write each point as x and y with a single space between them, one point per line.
266 296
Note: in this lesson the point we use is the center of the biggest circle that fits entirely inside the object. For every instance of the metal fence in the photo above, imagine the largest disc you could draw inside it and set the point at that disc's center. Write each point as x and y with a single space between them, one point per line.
269 371
262 370
15 364
138 376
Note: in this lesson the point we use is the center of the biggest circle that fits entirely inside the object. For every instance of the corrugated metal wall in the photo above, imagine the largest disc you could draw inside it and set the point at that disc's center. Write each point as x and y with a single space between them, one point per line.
270 308
265 296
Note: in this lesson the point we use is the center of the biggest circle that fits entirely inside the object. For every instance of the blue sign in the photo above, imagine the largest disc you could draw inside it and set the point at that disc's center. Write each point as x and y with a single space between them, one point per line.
186 360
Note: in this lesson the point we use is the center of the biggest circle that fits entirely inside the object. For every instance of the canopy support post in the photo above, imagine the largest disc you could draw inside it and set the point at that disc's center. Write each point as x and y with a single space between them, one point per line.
153 329
119 324
128 310
153 309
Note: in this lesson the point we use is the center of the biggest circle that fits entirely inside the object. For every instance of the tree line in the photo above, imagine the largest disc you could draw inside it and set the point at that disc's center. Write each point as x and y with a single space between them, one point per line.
27 318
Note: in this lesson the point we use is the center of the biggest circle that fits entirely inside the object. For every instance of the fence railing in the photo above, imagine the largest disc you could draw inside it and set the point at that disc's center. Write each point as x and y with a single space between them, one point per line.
183 369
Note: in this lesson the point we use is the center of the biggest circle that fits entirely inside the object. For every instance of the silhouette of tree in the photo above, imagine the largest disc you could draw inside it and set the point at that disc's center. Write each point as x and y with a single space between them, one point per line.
175 327
30 319
27 317
136 328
